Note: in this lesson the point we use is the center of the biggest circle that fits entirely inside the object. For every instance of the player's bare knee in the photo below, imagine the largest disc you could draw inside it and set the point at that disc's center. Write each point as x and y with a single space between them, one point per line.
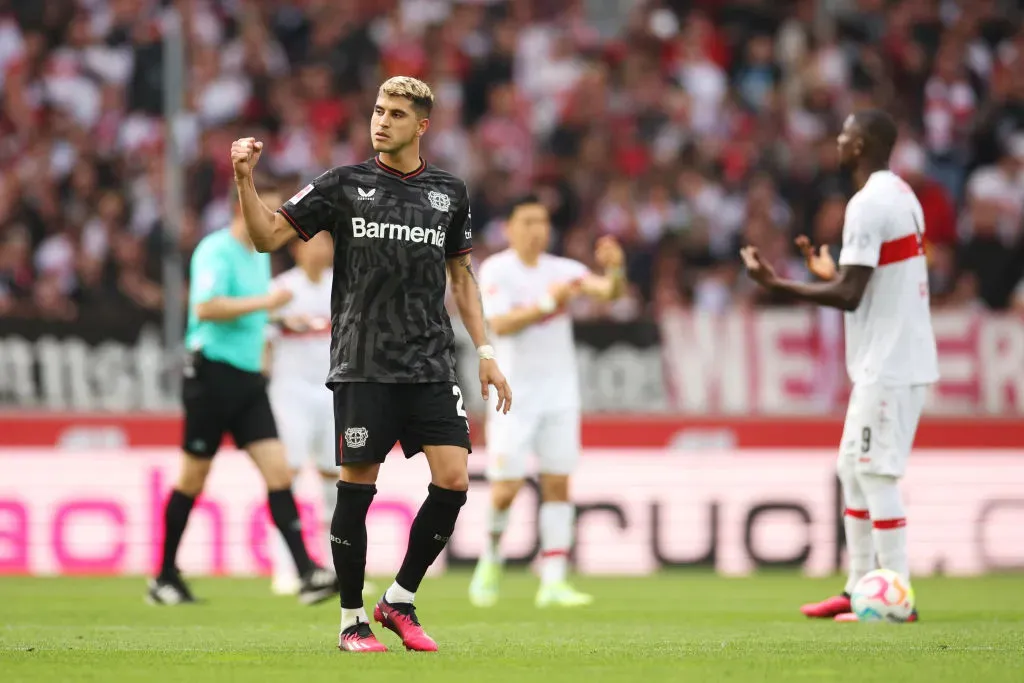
504 492
268 456
453 481
193 475
449 467
554 488
359 473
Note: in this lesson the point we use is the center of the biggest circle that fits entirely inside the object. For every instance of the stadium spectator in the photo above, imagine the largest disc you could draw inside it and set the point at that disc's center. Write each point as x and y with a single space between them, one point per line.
677 129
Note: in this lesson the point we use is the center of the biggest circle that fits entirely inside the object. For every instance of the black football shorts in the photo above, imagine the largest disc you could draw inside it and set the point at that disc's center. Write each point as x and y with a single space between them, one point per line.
219 398
369 418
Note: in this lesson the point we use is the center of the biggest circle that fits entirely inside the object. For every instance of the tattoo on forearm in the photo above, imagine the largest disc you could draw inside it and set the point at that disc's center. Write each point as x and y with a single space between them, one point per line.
466 262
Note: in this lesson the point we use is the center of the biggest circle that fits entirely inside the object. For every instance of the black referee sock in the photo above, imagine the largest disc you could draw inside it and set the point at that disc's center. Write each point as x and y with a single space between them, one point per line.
348 540
430 531
286 518
179 507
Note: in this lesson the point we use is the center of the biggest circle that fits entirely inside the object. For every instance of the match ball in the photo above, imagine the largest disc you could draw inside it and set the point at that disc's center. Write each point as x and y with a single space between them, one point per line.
882 595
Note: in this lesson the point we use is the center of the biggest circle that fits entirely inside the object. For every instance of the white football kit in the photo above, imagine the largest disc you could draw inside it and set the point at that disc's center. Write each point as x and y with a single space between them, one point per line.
540 362
302 405
890 346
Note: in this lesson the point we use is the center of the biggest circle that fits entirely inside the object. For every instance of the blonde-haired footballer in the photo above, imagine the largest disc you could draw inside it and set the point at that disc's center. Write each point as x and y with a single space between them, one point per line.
525 295
401 227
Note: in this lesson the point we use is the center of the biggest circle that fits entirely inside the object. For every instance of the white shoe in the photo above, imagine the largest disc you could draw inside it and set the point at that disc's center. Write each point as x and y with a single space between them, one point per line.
285 585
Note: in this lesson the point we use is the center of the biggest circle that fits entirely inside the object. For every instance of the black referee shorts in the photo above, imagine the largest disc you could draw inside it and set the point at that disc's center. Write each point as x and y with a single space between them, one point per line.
218 399
369 418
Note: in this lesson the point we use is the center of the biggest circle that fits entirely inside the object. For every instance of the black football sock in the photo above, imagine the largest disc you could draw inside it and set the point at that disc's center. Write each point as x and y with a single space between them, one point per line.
348 540
179 507
430 531
286 518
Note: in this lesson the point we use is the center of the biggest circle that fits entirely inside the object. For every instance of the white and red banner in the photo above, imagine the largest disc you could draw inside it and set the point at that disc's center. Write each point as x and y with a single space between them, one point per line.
766 363
100 512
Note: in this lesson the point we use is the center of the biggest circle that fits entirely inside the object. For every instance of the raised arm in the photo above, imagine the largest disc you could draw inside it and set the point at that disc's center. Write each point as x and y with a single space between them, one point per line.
612 283
268 230
844 291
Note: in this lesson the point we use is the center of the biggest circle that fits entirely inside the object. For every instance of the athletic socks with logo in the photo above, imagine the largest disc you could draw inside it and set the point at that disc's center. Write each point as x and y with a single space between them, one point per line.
430 531
285 514
348 543
330 489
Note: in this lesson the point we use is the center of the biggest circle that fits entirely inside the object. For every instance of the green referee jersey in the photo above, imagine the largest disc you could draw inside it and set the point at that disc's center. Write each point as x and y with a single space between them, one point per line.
223 266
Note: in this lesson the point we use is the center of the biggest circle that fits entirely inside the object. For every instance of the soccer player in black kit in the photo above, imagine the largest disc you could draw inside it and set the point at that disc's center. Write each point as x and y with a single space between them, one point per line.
399 225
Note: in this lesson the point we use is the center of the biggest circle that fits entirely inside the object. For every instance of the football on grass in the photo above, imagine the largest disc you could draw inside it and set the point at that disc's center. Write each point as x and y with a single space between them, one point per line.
882 595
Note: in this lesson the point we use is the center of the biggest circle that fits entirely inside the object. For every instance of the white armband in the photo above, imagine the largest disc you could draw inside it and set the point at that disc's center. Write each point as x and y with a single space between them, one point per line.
485 351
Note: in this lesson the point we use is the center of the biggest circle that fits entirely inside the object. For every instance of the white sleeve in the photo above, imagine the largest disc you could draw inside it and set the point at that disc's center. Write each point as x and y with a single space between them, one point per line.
574 270
495 291
863 234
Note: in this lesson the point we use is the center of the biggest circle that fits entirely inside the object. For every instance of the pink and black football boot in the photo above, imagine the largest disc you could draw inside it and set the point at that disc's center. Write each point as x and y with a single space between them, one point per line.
359 638
828 609
400 618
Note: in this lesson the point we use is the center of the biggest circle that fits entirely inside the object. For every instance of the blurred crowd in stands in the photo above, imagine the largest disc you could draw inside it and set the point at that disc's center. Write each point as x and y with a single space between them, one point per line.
684 128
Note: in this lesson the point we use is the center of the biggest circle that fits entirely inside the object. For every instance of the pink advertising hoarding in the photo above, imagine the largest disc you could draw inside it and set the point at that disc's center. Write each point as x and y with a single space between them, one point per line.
99 512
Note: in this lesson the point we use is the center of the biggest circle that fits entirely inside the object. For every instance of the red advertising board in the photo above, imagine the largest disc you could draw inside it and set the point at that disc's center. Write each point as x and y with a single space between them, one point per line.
83 430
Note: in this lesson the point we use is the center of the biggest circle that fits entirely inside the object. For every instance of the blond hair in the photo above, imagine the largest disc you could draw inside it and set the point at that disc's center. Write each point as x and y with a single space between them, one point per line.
412 89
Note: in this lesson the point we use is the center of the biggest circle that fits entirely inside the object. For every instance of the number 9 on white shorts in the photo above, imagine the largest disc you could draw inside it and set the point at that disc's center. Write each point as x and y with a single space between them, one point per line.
880 425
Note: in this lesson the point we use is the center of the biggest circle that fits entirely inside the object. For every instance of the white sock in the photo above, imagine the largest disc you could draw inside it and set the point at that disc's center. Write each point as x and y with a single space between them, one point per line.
497 522
350 617
891 541
556 521
396 594
889 522
330 488
860 549
281 562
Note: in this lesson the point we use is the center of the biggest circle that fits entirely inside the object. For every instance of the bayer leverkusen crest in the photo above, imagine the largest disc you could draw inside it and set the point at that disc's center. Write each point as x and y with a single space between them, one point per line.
439 200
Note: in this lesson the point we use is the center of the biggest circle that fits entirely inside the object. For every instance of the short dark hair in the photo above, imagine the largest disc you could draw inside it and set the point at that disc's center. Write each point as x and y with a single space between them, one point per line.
879 131
523 200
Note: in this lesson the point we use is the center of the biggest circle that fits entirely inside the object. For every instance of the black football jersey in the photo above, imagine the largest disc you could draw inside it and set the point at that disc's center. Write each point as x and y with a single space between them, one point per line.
393 233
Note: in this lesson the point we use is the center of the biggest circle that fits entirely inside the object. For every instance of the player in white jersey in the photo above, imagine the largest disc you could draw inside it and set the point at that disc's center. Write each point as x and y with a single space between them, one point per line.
882 284
300 347
525 291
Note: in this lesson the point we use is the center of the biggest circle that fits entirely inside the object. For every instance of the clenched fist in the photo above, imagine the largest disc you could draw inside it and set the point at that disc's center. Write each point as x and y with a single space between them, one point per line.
245 154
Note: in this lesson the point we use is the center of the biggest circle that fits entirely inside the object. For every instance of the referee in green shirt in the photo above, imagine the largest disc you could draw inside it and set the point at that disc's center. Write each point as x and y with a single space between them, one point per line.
225 392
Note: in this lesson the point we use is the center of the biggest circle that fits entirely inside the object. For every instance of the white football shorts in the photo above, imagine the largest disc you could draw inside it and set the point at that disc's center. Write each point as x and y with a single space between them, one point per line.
305 421
554 437
880 426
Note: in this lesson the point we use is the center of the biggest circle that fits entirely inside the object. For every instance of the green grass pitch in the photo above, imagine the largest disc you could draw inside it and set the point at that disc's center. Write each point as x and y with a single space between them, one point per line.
671 627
